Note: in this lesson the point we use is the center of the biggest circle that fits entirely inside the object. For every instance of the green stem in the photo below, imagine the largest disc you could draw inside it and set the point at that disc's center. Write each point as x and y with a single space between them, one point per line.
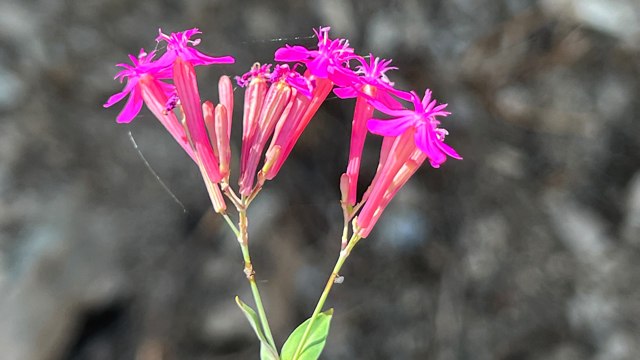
250 273
344 254
345 233
231 225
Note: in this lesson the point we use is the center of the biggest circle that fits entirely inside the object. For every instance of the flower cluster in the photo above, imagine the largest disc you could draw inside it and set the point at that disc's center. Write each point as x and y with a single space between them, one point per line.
279 102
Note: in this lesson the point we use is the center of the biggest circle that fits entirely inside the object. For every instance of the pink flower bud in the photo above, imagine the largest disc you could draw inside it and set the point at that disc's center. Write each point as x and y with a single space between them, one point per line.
253 98
276 100
209 123
225 96
222 139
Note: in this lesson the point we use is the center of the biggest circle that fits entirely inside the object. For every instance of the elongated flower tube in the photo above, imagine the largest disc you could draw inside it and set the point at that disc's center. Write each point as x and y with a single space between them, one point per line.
402 148
184 77
362 112
144 86
415 138
372 83
272 109
375 210
177 46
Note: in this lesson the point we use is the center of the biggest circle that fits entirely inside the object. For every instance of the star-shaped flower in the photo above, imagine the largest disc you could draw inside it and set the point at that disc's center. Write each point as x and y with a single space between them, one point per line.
428 137
143 69
177 46
327 62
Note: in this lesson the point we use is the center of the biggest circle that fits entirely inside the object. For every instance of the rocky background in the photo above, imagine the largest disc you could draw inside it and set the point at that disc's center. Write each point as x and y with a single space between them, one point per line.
526 250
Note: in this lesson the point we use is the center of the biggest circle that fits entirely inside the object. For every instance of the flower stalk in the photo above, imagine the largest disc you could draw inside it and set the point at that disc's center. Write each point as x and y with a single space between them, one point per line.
344 254
243 239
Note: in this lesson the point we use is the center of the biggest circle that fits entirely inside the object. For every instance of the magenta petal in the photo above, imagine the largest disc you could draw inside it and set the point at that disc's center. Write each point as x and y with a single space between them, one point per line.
131 108
291 54
388 127
119 96
345 92
437 157
318 67
339 77
208 60
406 96
225 60
448 150
426 100
424 142
385 109
189 33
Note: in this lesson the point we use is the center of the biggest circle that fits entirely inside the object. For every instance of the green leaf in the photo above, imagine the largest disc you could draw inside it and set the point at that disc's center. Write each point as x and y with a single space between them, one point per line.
267 352
315 341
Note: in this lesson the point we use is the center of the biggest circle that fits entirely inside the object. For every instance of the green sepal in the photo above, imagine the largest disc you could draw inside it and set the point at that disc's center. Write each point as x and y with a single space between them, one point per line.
315 341
267 352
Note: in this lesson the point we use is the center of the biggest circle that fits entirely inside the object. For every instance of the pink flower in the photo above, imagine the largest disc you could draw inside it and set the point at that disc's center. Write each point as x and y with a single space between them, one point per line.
143 85
177 46
410 138
143 67
371 84
428 137
326 62
373 74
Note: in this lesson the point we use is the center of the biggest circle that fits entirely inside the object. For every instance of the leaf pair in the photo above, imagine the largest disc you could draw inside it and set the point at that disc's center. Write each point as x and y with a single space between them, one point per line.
314 343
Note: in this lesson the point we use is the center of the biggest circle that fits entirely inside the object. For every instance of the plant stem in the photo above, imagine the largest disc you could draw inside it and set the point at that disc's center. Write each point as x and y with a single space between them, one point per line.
343 256
231 225
345 233
250 273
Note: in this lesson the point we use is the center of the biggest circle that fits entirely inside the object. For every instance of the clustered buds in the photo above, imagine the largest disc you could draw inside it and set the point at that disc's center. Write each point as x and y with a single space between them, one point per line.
279 102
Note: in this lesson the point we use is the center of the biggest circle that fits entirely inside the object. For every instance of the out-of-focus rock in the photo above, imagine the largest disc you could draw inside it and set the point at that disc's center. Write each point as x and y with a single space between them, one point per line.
55 275
618 18
631 223
12 89
582 231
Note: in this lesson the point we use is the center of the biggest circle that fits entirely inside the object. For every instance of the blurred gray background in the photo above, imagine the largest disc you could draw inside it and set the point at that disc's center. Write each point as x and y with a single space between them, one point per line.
526 250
